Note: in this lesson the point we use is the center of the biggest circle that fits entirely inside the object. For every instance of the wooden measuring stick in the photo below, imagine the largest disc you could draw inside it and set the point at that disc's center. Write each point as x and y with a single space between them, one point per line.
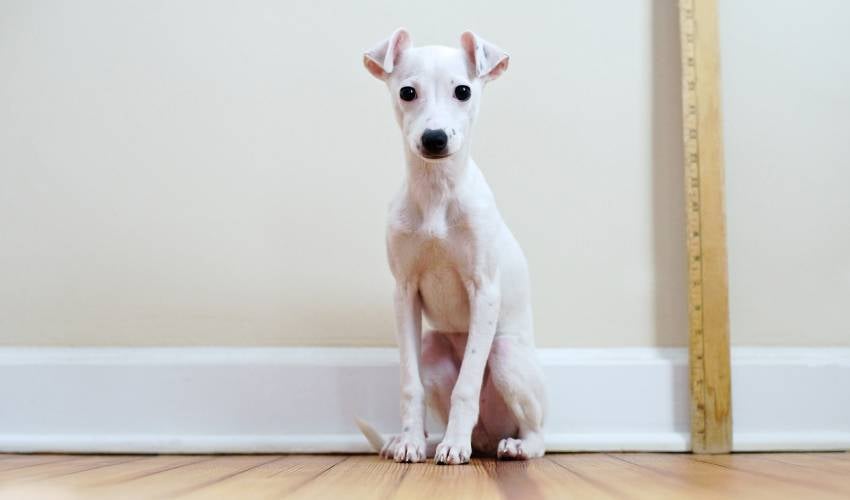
708 303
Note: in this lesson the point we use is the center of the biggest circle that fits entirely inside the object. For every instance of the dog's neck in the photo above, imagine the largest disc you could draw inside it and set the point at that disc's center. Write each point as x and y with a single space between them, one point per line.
430 183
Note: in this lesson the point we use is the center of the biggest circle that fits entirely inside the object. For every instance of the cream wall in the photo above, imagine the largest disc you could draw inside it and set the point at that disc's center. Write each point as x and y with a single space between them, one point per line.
209 173
786 105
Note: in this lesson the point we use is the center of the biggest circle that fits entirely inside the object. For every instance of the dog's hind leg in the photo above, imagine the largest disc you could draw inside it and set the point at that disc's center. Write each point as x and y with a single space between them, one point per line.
517 375
439 372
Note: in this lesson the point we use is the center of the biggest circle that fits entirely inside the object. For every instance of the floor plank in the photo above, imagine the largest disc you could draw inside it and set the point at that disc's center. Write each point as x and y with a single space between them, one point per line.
274 479
783 473
838 463
806 476
731 480
12 462
430 481
180 479
355 477
623 478
548 478
60 465
122 472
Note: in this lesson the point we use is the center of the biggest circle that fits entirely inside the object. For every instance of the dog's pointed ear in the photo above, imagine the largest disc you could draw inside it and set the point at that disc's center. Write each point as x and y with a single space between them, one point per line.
486 60
381 60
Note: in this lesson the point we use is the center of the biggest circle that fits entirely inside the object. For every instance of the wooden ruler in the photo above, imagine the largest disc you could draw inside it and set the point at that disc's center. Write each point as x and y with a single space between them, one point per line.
708 305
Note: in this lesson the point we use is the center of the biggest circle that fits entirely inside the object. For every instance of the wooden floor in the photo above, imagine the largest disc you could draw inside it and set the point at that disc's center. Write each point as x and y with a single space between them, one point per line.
772 476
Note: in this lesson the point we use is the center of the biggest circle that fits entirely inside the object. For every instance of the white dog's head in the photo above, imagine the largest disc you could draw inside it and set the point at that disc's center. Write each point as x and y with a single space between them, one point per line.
435 91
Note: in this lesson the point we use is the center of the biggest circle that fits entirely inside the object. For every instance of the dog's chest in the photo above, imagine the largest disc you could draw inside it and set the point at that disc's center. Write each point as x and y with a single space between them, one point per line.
434 227
445 300
436 239
434 247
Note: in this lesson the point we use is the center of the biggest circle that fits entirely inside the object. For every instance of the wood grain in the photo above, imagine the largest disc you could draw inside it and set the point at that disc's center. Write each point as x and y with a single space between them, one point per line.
708 303
561 476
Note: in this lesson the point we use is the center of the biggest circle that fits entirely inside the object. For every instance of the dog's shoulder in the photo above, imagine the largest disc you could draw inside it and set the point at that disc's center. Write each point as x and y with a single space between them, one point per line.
402 215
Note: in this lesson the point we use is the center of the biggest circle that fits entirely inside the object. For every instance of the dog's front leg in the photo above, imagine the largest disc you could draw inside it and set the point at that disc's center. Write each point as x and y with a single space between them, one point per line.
410 445
456 447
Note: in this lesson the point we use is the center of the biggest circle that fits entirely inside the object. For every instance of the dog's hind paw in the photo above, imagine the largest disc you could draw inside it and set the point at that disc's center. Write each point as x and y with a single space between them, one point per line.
519 449
402 448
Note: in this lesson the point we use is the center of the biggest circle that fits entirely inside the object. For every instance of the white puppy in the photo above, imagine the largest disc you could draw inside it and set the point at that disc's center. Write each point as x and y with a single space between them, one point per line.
455 260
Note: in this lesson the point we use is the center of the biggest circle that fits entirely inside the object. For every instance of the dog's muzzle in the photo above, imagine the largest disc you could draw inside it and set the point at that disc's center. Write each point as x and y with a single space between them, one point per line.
434 142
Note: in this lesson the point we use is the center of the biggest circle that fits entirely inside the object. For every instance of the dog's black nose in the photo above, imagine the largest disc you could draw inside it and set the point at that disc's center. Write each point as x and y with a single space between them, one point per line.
434 141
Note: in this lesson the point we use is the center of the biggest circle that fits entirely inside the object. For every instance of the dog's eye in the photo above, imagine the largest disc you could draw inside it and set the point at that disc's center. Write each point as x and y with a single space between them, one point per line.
462 92
407 93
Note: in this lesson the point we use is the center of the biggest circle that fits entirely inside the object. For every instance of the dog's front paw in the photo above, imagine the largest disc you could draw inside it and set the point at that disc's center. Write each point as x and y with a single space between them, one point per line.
453 452
405 448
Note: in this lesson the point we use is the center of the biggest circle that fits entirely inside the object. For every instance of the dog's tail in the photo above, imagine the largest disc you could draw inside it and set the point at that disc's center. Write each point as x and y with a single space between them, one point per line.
374 437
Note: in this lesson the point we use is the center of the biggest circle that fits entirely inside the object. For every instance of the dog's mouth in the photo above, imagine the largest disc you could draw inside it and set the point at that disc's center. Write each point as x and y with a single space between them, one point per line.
436 157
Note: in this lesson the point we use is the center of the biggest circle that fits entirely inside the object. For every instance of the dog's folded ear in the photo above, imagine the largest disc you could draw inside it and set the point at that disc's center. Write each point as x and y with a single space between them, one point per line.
381 60
486 60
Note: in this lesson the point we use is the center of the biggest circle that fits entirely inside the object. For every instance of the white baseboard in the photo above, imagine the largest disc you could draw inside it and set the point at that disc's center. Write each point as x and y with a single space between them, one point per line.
244 400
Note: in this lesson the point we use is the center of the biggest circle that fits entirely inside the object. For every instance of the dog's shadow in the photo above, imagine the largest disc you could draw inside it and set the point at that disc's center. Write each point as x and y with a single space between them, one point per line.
668 182
668 185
